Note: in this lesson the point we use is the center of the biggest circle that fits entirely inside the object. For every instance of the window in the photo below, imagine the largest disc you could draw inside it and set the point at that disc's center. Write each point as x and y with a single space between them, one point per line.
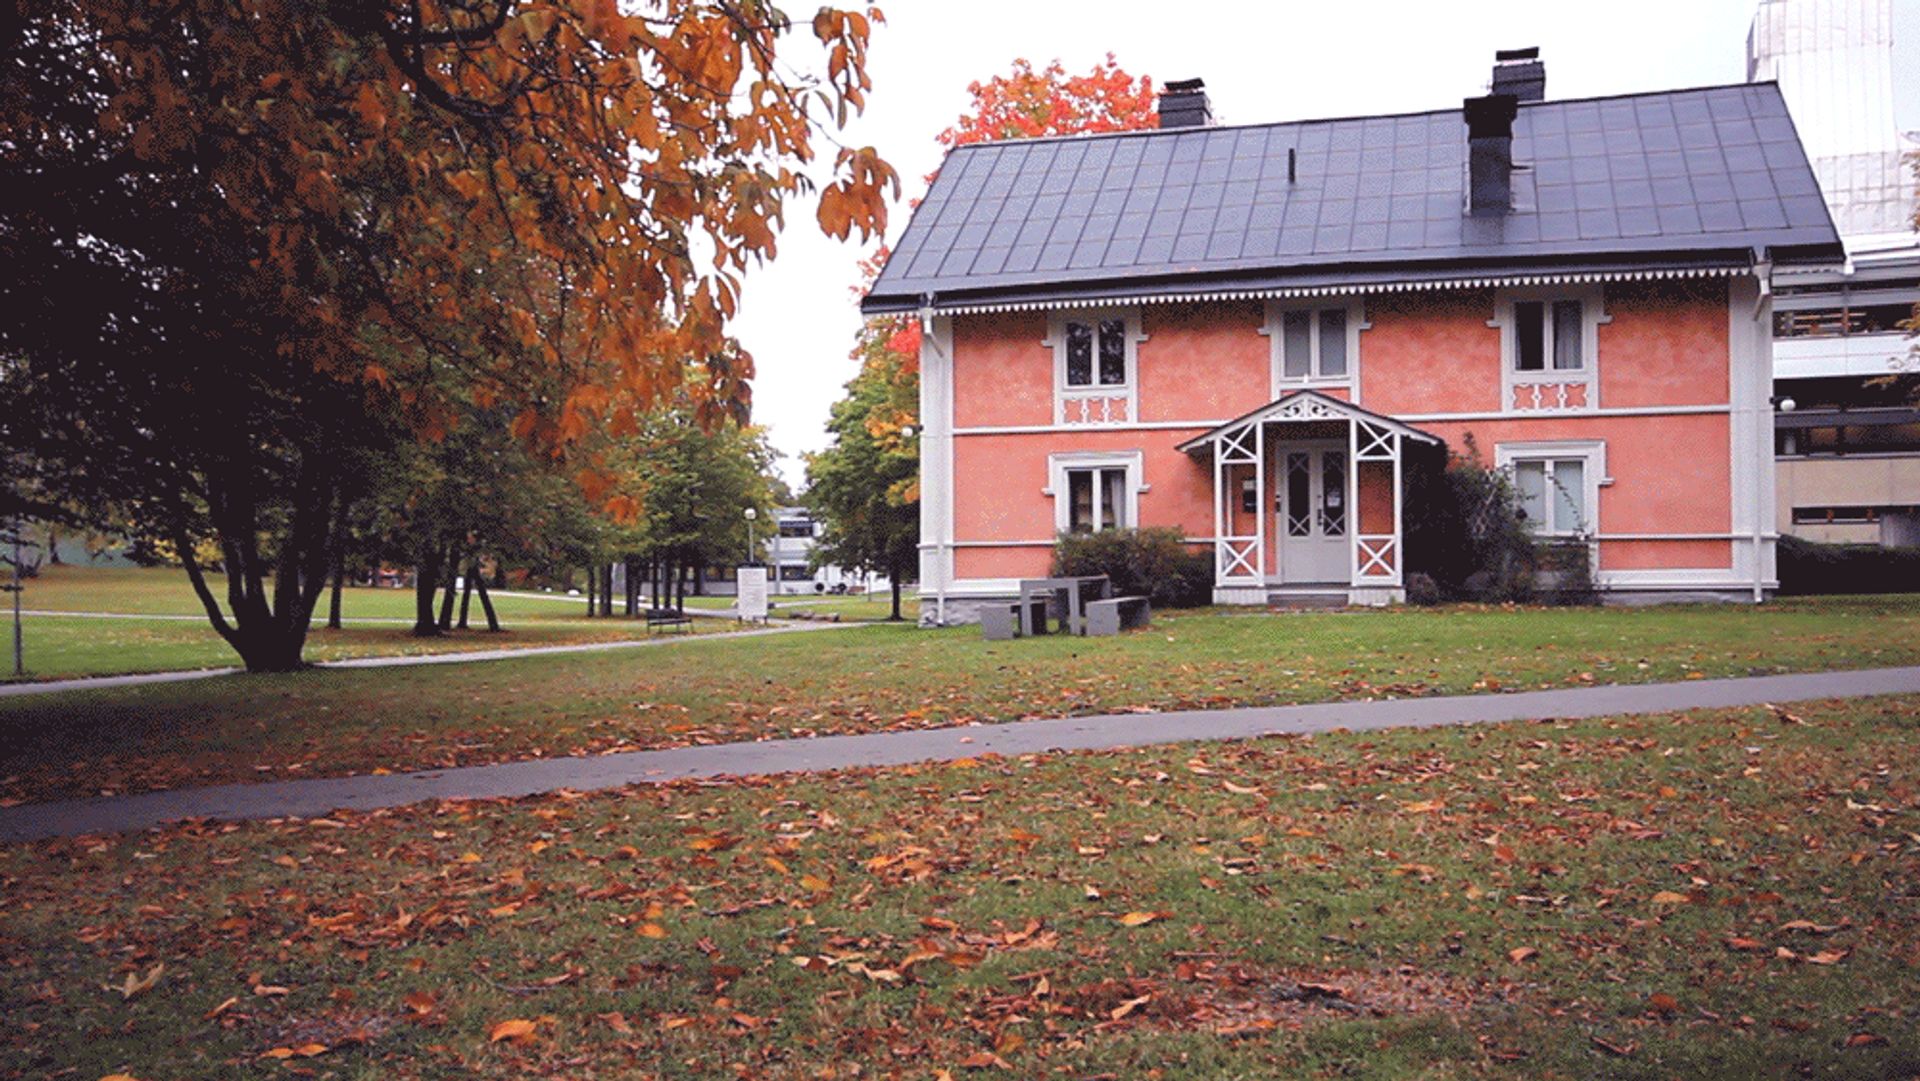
1549 342
1096 499
1312 344
1842 322
1093 491
1096 353
796 527
1836 515
1557 485
1549 334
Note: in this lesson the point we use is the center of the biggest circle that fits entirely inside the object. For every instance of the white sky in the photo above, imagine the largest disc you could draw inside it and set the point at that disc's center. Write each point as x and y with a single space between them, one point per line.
1262 61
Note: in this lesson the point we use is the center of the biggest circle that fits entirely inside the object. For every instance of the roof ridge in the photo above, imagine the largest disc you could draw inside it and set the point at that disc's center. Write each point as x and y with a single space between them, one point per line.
1088 136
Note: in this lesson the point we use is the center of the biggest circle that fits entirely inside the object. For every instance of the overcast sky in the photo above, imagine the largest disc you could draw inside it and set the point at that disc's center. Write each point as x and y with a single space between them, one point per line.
1278 60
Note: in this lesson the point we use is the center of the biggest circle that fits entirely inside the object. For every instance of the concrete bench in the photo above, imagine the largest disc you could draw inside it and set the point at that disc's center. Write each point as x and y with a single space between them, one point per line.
1116 614
1000 622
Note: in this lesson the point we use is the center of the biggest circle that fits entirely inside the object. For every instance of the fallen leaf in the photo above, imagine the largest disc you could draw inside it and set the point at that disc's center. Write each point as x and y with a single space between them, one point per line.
1522 953
1427 806
1141 919
1668 897
1827 957
1620 1050
652 930
515 1029
1240 789
1129 1006
1663 1002
137 985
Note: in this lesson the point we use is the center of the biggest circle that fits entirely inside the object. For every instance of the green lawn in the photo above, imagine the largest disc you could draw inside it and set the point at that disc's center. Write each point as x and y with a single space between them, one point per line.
1722 894
878 678
377 622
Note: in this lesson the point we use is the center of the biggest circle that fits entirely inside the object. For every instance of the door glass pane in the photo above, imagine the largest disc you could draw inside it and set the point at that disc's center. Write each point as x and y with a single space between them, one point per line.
1299 494
1079 355
1568 327
1113 352
1113 498
1529 330
1333 343
1333 493
1569 496
1530 481
1080 500
1297 344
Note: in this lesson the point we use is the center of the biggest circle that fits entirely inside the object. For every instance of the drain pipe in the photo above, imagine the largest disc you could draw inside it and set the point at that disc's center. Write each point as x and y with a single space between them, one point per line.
1764 479
938 397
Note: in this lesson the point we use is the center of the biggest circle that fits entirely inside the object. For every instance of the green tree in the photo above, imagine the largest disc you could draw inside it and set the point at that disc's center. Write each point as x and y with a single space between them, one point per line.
865 486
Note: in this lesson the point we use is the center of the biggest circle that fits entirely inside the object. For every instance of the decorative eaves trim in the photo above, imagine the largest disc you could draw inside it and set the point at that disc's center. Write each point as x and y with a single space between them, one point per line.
1343 289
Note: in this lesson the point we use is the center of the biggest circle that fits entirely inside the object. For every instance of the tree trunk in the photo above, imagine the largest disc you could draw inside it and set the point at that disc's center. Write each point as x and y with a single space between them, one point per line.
893 578
338 568
266 626
446 598
680 589
53 547
486 605
593 577
426 581
466 590
606 589
632 578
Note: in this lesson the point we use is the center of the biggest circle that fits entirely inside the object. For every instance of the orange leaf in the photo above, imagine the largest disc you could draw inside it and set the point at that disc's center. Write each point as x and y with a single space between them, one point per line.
517 1029
1141 919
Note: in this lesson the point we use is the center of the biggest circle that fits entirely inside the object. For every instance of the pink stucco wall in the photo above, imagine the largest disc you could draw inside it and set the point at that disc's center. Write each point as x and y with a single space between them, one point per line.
1665 344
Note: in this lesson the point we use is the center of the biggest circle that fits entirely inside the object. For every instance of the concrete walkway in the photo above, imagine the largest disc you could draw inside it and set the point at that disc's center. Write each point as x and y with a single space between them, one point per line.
320 795
93 683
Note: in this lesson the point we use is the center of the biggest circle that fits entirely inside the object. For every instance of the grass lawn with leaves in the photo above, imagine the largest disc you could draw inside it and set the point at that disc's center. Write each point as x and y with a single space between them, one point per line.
174 634
879 678
1726 894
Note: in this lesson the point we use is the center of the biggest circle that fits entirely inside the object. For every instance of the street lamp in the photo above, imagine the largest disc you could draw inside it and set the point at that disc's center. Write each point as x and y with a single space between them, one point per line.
751 514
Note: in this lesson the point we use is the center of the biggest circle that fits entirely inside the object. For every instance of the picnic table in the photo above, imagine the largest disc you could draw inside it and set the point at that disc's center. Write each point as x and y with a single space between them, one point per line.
1073 590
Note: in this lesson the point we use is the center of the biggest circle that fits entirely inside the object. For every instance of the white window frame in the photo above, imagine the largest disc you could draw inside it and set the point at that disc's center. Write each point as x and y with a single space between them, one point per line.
1275 330
1591 453
1060 491
1593 316
1064 396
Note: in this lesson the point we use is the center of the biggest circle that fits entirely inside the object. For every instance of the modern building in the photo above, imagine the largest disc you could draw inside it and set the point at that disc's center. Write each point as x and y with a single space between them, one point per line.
1846 374
788 552
1245 332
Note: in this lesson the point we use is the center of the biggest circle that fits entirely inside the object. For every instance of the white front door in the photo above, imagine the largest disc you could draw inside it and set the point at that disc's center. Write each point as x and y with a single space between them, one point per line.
1311 514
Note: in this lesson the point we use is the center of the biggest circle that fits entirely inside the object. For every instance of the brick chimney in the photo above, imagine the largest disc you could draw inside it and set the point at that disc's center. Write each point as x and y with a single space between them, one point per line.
1490 154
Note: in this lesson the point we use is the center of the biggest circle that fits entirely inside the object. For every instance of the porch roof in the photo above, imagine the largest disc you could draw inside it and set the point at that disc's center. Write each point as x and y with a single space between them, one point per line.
1306 406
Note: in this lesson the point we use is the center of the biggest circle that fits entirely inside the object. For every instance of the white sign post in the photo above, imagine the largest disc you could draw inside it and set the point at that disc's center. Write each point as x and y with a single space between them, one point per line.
752 601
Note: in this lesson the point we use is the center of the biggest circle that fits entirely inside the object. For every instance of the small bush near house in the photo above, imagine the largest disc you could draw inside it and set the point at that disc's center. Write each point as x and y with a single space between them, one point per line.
1810 567
1464 529
1564 572
1154 563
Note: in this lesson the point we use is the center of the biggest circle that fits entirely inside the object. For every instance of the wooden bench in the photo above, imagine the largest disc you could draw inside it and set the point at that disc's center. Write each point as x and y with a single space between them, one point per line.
669 619
1115 614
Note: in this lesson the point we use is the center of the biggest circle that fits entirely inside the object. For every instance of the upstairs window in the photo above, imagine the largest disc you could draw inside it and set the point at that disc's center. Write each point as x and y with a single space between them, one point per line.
1549 336
1312 345
1096 353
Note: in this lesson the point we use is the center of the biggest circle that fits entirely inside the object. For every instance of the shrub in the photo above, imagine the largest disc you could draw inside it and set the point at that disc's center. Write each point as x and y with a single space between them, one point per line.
1564 571
1154 563
1464 529
1422 590
1810 567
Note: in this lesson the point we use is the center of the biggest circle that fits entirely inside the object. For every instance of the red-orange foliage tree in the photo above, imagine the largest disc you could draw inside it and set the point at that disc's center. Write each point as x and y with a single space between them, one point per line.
242 234
875 425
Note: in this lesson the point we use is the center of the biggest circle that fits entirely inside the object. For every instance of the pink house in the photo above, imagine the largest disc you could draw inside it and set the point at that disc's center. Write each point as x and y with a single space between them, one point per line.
1244 332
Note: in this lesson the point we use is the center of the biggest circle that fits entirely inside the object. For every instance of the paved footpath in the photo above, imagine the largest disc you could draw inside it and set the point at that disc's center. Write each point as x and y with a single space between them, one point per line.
317 796
94 683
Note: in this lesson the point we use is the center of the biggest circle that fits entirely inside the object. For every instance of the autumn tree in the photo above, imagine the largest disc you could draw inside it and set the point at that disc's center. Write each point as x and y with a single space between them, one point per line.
241 235
866 484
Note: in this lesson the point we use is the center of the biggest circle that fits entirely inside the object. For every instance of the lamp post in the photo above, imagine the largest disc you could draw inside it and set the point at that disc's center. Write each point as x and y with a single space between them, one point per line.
19 652
751 514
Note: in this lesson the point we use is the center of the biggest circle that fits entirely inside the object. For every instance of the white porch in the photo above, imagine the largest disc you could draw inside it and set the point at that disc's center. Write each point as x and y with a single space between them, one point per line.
1307 501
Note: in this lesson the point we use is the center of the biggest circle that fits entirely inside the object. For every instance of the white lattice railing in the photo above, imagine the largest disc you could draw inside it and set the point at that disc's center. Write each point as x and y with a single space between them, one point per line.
1378 556
1100 406
1237 559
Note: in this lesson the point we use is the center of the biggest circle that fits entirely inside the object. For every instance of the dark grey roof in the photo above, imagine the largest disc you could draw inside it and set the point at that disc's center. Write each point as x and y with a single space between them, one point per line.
1714 173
